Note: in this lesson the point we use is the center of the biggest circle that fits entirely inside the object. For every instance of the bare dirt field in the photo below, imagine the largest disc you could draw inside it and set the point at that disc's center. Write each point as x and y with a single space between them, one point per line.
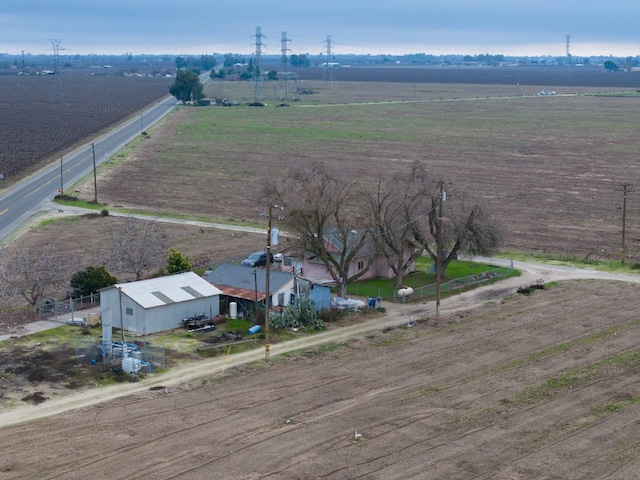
538 386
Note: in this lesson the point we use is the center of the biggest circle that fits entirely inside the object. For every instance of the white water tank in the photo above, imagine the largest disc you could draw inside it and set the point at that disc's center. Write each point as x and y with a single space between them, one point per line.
405 291
233 310
130 365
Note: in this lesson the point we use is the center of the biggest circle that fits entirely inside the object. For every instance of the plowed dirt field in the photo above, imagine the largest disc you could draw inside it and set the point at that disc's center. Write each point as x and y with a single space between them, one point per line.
527 387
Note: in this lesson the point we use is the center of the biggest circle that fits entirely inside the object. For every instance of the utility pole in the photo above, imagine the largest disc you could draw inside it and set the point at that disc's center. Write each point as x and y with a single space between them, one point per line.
255 286
61 179
267 269
624 220
272 239
95 179
439 247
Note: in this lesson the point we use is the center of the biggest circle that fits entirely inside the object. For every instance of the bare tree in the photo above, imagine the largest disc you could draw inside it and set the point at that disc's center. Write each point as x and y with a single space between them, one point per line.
326 224
394 206
411 214
139 246
34 275
454 225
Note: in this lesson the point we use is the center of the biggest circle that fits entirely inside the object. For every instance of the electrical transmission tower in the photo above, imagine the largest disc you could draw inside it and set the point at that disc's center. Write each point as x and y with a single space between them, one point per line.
286 79
567 60
57 94
327 73
257 68
284 48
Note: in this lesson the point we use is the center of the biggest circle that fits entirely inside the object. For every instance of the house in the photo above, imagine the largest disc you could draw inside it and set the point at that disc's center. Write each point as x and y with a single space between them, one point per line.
246 286
311 267
157 304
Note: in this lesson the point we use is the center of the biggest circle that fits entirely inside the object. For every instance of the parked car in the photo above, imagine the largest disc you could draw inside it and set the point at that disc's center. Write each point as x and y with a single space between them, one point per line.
256 259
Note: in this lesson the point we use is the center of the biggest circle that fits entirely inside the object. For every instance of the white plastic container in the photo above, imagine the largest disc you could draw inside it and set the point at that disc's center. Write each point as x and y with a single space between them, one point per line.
233 310
130 365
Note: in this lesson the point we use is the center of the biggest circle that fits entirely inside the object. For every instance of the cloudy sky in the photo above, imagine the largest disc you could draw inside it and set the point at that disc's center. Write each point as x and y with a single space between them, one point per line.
510 27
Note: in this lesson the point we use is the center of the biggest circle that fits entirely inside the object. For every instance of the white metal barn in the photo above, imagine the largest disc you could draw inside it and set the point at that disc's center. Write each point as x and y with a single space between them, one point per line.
158 304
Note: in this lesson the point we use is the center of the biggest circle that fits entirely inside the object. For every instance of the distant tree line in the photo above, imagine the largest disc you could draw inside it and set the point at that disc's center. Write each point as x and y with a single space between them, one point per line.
197 65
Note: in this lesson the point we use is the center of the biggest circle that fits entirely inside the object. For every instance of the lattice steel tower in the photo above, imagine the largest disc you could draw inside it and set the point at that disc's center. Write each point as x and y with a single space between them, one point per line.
286 79
284 48
57 95
258 93
568 59
327 73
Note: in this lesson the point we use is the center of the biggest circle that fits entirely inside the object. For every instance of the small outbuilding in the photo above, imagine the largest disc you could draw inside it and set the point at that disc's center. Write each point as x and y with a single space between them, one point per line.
157 304
317 291
245 286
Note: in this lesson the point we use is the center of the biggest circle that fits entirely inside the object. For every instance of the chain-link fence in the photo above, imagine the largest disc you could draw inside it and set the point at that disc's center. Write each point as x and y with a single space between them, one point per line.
429 291
54 308
90 350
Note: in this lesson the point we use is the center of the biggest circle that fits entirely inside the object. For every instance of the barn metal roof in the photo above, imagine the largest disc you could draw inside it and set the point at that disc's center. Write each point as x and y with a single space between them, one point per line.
242 293
166 290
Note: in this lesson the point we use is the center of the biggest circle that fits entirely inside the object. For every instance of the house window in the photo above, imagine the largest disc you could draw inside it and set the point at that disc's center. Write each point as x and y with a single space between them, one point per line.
360 265
281 298
129 311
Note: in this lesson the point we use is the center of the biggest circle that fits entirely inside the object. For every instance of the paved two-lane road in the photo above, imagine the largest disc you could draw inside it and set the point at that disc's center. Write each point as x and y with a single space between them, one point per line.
24 199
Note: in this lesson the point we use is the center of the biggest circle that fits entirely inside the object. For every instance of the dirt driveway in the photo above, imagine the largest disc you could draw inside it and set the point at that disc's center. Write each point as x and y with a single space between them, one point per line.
538 386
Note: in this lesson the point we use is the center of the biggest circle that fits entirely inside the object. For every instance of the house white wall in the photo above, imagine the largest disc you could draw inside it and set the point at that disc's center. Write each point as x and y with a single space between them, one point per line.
283 293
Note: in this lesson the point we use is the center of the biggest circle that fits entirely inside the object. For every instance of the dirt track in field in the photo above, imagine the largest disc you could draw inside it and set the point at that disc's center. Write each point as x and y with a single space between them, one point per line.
539 386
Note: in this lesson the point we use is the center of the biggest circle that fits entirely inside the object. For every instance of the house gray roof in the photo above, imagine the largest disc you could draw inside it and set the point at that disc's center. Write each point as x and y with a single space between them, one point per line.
165 290
242 277
333 236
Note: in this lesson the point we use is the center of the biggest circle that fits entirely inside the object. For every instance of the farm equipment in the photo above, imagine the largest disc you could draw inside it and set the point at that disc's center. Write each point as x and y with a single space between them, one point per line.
199 323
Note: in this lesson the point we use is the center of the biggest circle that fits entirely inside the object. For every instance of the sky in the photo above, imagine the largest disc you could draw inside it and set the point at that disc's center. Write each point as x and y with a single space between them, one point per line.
392 27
